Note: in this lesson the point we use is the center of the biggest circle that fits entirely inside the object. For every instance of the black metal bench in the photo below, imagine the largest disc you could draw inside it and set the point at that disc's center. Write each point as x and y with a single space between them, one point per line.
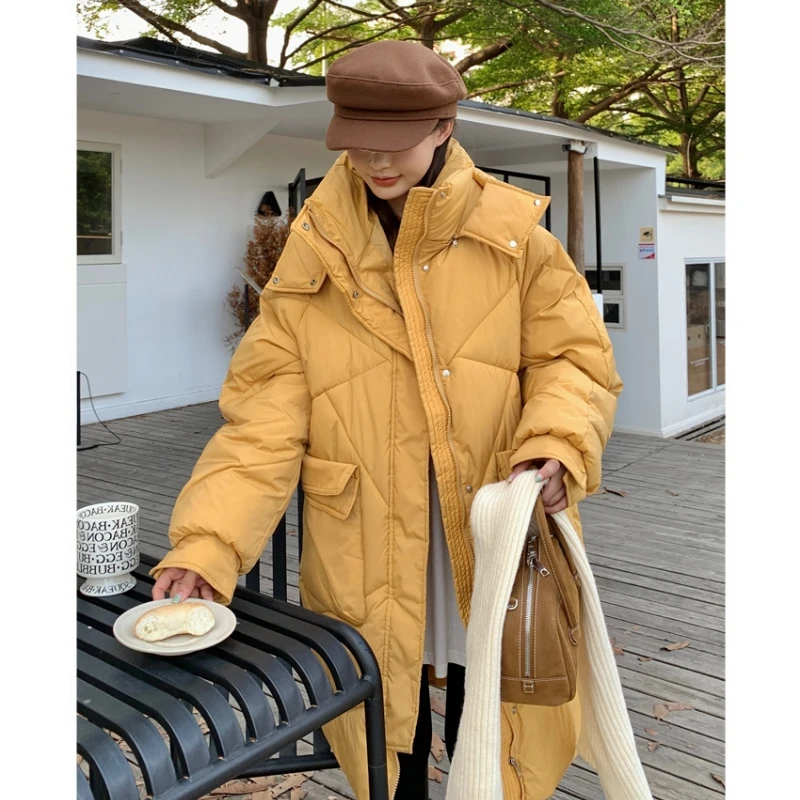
276 648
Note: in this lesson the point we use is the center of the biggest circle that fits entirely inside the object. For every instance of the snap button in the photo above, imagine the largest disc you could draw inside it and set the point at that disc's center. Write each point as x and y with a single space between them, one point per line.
356 294
454 242
512 243
468 489
306 226
442 194
446 373
537 202
313 282
276 280
426 267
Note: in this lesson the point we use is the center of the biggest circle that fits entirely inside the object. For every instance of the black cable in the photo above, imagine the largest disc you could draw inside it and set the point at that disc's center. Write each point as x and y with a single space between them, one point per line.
97 416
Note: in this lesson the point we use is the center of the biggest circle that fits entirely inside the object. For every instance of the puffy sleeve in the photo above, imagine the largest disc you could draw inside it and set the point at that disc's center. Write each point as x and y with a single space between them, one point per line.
569 379
245 478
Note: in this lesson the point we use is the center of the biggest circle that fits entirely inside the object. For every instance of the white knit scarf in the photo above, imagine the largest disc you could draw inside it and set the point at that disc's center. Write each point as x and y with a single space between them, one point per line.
500 516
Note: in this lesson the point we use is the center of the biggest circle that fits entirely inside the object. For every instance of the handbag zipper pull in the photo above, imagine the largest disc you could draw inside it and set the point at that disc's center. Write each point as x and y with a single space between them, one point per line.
533 561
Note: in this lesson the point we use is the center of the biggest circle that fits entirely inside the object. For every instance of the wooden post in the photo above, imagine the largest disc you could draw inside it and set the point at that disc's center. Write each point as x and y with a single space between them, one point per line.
575 204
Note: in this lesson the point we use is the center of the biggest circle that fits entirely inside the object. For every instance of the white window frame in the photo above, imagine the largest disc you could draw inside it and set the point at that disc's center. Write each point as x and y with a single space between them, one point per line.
115 257
612 296
712 300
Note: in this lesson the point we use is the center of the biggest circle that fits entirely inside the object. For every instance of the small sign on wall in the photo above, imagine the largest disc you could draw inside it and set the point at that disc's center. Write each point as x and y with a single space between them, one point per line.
647 243
647 250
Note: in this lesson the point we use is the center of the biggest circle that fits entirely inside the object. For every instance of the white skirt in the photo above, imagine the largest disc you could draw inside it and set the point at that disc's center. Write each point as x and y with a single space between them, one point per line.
445 636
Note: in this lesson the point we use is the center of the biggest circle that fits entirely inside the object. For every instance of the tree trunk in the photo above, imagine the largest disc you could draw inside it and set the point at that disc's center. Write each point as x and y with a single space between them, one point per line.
558 106
257 42
427 30
575 210
689 156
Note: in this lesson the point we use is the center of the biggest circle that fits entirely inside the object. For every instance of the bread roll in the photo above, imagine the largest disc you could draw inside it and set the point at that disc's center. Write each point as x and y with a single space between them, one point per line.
173 619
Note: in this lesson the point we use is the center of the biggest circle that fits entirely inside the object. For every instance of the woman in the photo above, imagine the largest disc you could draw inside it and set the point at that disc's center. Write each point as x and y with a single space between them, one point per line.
422 336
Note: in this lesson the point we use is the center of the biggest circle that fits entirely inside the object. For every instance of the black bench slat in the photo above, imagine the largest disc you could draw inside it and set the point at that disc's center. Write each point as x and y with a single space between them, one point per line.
278 679
225 730
145 741
84 792
111 777
188 745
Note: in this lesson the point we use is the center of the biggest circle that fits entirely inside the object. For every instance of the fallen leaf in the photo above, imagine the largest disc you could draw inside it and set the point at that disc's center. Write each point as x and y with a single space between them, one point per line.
291 782
653 746
660 711
434 774
674 494
676 646
651 731
620 492
437 705
298 793
691 746
245 786
718 779
679 707
618 651
645 658
437 747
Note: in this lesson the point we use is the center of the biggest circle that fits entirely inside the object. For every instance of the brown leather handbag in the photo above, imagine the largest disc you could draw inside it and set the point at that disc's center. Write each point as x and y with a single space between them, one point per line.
539 664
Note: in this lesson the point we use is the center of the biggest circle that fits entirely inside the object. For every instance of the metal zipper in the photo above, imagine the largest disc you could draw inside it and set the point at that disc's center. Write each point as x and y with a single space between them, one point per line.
533 564
364 288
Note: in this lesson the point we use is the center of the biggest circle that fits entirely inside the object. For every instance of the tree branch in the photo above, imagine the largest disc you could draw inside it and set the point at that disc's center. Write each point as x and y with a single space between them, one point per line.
709 150
607 30
596 23
351 45
639 113
512 85
394 7
712 115
154 19
291 26
482 56
662 107
454 17
350 24
234 11
629 88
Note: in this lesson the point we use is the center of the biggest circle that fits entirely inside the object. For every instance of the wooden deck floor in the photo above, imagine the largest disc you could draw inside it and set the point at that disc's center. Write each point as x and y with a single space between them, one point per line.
657 551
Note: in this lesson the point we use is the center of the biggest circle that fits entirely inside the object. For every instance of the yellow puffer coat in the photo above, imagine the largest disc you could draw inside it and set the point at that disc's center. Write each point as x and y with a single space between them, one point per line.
477 343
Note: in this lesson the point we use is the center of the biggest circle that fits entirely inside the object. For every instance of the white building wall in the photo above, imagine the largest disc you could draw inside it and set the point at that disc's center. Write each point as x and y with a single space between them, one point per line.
183 236
695 232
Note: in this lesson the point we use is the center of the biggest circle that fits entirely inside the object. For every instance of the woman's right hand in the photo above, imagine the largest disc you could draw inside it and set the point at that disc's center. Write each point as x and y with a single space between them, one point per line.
181 583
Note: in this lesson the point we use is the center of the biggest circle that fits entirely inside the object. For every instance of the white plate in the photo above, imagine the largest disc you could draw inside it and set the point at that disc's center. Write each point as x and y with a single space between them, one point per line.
224 625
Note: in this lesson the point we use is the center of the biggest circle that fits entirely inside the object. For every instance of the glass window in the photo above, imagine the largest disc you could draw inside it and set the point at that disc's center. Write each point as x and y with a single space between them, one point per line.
719 310
611 314
97 204
698 333
613 293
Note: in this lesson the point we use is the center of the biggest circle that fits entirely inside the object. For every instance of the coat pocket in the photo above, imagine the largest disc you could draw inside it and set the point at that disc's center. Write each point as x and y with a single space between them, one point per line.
332 566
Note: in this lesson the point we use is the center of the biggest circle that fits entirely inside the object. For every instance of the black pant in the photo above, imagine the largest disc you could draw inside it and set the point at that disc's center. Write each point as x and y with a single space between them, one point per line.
413 784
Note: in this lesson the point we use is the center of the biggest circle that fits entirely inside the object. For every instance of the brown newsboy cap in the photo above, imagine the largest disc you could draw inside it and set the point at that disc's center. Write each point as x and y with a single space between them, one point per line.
388 96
